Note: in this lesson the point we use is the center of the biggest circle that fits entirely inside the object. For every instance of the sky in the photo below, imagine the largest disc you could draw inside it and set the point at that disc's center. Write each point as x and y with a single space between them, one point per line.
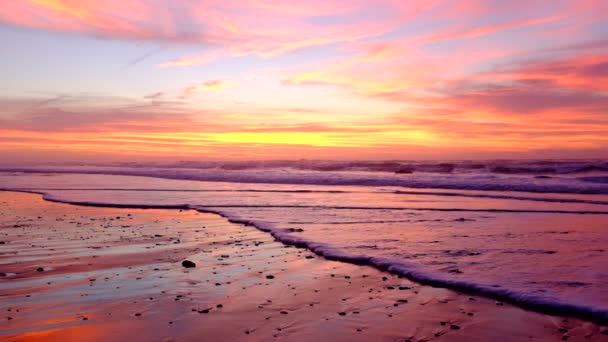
160 80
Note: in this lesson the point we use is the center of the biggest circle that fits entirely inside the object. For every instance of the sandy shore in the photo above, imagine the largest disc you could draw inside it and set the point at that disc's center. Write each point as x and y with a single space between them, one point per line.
73 273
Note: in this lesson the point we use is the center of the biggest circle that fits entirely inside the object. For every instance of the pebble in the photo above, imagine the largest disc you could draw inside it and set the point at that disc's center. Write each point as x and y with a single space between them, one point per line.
188 264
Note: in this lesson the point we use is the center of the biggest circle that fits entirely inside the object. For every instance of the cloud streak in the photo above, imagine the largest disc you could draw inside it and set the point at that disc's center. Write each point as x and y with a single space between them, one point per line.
234 28
359 78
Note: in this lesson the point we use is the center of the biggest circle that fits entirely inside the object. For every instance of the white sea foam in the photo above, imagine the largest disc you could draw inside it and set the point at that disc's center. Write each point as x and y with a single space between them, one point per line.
470 180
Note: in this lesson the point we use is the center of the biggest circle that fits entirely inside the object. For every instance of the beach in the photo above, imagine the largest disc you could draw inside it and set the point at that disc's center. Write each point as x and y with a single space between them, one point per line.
75 273
411 171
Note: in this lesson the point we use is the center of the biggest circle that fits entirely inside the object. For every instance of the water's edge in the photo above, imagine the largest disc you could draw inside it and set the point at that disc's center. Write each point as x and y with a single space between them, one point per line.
407 270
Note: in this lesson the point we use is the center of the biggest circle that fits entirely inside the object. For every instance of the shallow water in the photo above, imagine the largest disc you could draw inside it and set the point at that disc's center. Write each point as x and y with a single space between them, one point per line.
539 250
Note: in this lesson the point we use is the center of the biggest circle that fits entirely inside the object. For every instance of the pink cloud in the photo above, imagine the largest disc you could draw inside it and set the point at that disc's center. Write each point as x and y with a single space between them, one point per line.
493 80
489 29
253 27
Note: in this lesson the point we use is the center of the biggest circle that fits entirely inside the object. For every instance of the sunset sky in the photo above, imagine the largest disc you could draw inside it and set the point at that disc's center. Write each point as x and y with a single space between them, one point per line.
141 80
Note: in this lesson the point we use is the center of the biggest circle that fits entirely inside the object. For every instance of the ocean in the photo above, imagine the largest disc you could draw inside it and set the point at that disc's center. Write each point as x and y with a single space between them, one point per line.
531 233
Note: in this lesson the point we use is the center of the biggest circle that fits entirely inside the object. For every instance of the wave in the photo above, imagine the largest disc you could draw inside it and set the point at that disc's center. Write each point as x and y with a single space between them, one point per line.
596 179
412 271
491 166
424 276
393 166
337 207
463 181
469 210
494 196
318 191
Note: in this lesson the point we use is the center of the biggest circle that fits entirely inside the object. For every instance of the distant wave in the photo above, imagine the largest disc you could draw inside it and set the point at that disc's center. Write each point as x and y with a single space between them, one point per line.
490 166
409 270
464 181
597 179
494 196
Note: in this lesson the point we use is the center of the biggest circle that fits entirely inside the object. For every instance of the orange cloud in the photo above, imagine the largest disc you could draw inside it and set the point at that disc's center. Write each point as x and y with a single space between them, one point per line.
586 72
210 85
193 60
467 127
398 91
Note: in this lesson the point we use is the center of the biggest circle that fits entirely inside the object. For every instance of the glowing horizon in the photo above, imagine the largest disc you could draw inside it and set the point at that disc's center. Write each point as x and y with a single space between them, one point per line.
260 79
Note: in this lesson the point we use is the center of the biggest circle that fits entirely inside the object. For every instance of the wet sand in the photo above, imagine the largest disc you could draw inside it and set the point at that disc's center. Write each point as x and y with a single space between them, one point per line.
74 273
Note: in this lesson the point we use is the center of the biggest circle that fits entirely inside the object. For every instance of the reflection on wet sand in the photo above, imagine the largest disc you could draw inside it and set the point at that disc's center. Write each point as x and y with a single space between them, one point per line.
74 273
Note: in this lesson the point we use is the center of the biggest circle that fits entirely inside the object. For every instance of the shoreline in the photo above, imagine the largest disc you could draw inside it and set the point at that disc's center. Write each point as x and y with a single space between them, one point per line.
540 305
313 291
